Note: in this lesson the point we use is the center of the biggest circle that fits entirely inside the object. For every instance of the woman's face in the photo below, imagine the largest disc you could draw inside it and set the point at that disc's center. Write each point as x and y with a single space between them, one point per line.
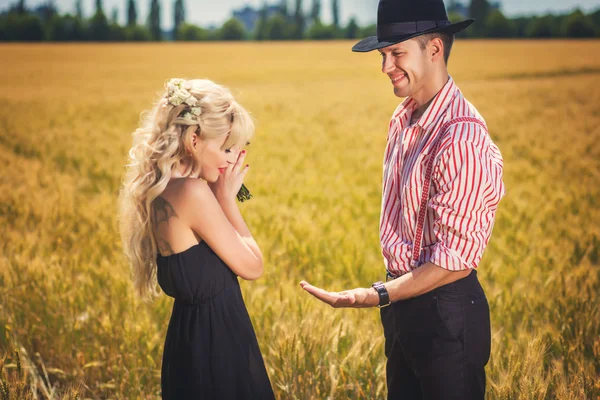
211 158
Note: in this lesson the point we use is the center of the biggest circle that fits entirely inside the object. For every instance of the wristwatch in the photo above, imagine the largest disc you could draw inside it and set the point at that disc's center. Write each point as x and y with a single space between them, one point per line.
384 296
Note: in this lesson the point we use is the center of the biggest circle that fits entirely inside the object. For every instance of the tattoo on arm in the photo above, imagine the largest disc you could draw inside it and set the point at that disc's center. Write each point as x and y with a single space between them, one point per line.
162 211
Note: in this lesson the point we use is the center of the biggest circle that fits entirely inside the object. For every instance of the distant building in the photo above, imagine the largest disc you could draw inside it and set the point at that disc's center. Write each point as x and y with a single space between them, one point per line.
43 11
458 8
495 5
249 16
463 9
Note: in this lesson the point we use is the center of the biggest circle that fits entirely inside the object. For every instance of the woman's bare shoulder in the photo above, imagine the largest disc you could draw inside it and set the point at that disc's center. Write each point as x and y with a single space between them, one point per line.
186 190
189 192
194 188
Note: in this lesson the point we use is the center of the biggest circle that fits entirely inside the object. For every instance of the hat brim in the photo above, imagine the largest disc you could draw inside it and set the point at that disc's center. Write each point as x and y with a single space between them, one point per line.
373 43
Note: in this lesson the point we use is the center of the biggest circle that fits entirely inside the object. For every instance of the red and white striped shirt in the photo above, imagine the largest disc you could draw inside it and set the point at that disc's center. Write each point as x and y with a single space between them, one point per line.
465 191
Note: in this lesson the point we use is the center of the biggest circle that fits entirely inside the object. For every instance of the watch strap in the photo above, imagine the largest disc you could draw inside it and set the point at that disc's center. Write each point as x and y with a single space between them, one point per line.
384 296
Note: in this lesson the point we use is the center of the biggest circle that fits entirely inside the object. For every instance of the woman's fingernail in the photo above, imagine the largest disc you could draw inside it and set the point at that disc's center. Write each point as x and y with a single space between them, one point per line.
243 151
247 165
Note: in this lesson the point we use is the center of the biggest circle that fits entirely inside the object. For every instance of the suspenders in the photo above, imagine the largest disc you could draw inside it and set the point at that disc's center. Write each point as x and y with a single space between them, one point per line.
418 239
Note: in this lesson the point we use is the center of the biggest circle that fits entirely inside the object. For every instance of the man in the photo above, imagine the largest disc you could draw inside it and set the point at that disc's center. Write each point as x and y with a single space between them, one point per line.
442 182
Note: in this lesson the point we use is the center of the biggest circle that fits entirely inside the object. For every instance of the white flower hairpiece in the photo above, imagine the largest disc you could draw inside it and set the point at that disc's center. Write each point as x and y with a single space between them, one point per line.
178 94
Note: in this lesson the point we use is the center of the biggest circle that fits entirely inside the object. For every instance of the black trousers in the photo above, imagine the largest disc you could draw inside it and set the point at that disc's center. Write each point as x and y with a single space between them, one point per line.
438 344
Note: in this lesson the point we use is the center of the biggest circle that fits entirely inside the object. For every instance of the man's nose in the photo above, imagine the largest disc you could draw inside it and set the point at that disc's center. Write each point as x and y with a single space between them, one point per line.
386 65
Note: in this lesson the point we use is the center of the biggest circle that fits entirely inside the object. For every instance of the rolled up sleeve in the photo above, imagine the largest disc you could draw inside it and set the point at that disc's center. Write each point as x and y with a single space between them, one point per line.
468 182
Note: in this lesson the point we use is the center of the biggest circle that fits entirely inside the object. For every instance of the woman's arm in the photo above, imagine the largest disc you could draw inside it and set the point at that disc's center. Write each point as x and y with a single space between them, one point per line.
231 210
223 229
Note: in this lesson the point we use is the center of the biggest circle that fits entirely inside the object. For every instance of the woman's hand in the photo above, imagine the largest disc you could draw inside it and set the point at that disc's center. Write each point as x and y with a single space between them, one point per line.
230 181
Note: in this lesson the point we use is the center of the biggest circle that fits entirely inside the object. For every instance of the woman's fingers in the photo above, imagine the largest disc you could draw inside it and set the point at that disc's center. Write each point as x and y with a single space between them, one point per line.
240 161
231 180
244 171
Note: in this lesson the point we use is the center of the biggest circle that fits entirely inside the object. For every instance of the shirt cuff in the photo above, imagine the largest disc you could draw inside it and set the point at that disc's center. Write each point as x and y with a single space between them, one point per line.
448 259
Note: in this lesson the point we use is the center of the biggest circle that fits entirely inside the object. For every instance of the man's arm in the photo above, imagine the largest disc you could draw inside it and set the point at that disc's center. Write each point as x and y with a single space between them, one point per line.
470 188
422 280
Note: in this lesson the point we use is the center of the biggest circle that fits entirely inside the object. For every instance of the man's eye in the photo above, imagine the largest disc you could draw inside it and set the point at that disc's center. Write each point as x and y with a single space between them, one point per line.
397 54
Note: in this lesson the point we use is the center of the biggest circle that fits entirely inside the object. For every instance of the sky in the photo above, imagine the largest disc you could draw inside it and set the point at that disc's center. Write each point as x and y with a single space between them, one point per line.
215 12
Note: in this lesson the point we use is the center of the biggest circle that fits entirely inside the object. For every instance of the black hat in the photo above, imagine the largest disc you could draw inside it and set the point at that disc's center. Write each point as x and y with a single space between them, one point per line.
400 20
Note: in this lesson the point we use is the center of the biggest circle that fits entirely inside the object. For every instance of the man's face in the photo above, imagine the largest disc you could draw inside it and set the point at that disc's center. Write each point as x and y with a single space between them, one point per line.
407 66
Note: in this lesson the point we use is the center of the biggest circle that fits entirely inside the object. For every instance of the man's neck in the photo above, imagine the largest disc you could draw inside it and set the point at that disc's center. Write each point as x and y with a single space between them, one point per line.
419 111
427 93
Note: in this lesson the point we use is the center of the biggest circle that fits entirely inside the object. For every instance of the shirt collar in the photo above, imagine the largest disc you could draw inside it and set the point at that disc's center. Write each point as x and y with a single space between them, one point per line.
407 105
440 103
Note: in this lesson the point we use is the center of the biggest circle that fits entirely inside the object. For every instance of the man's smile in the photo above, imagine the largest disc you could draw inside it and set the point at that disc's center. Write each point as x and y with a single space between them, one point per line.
397 78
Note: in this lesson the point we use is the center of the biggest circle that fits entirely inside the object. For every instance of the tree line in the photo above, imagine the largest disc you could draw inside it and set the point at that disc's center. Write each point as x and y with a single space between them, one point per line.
492 23
20 23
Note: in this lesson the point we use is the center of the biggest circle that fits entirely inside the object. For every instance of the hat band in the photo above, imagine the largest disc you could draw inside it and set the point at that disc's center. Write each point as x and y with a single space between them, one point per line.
406 28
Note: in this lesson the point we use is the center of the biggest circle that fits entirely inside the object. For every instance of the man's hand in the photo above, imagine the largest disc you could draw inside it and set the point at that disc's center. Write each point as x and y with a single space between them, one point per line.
355 298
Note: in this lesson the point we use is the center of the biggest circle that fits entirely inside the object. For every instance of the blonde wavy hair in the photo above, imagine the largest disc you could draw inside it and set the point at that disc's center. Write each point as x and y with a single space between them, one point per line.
161 142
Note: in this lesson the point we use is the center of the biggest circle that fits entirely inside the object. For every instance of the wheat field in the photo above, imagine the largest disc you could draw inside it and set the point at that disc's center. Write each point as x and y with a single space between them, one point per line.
70 325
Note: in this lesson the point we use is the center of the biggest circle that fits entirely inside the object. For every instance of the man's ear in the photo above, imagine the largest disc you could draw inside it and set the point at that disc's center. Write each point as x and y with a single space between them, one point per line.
436 49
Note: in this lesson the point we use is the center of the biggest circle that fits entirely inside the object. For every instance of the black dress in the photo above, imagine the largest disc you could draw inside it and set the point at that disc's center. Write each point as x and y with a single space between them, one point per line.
211 351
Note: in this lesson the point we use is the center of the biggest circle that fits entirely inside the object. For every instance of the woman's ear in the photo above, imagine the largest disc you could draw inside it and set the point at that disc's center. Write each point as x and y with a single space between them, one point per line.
191 141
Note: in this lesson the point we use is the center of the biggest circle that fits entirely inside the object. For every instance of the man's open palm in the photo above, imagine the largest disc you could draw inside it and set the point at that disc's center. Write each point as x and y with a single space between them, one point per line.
355 298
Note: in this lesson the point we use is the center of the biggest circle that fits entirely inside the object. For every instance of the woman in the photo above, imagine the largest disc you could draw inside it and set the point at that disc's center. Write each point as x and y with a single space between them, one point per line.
181 226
